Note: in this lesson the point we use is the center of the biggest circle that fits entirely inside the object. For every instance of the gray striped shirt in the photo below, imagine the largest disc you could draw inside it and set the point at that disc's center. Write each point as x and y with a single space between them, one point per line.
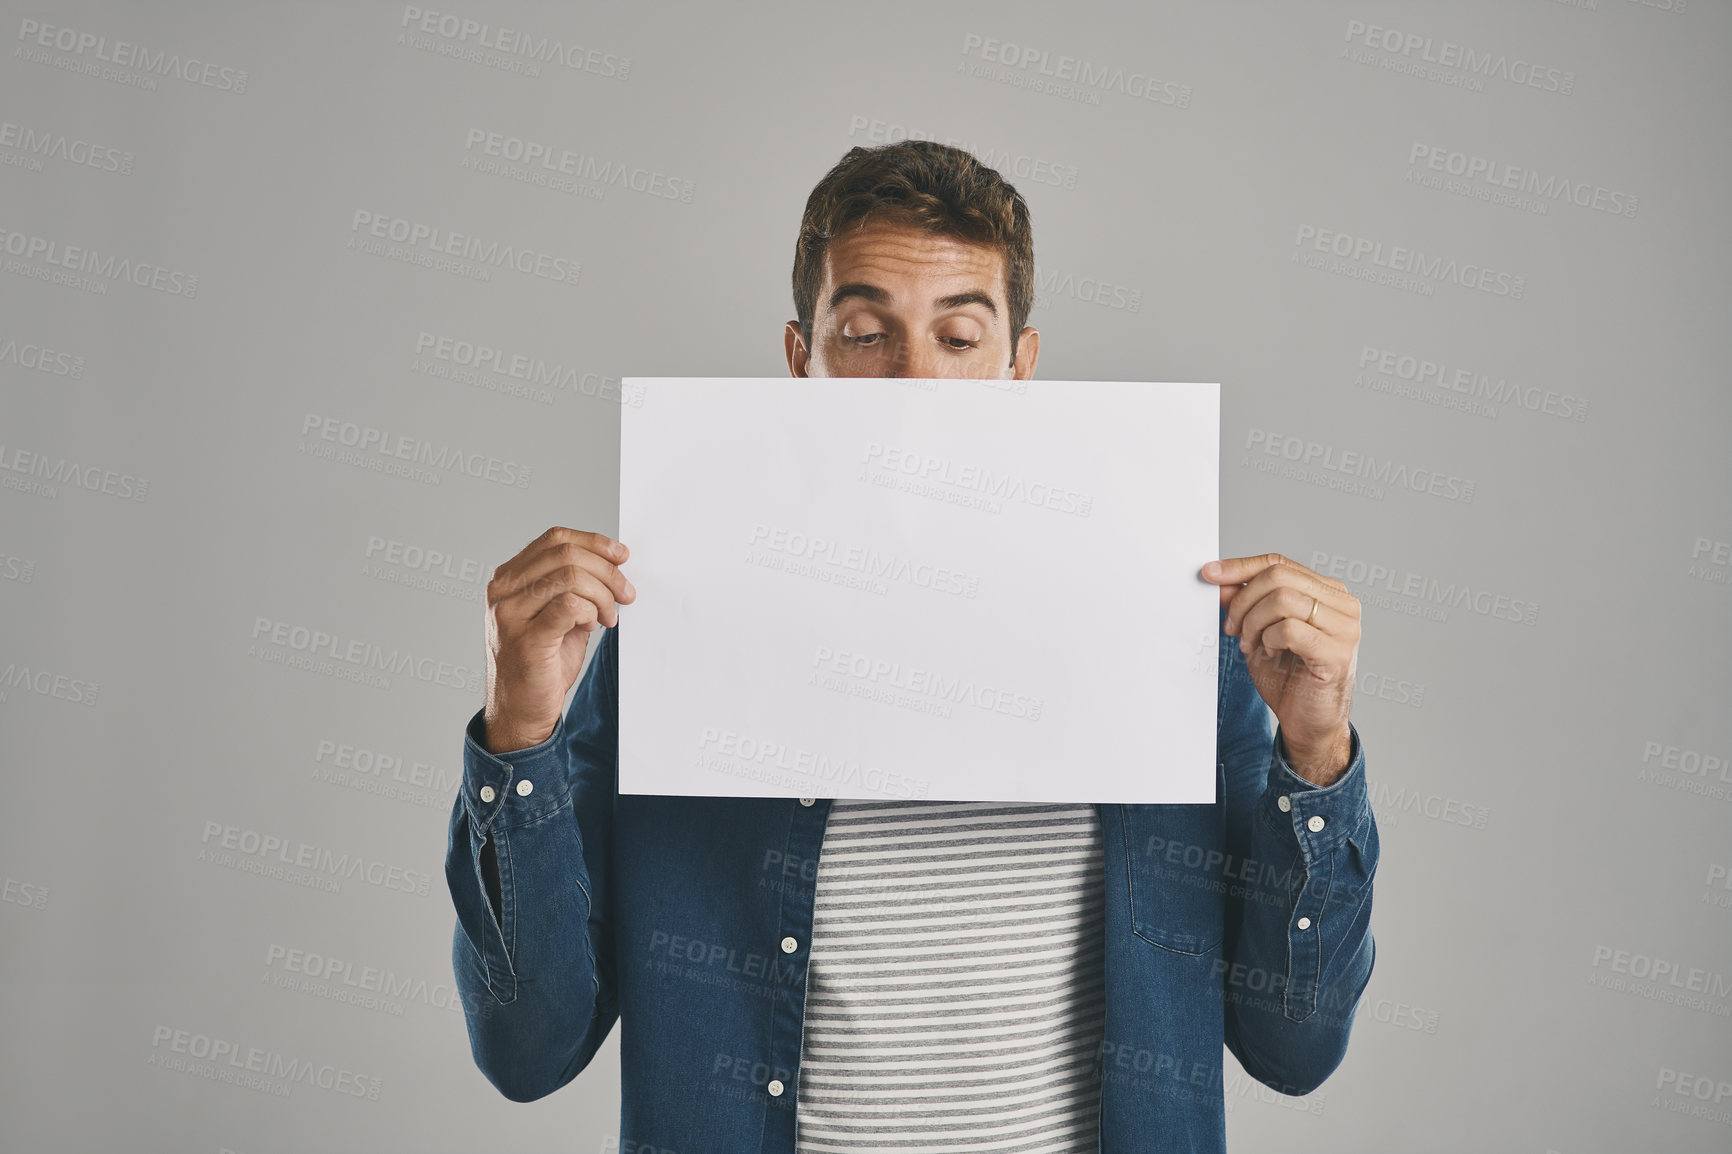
954 997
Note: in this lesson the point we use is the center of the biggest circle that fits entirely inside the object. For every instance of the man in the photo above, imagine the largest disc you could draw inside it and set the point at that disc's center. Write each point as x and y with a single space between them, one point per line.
910 975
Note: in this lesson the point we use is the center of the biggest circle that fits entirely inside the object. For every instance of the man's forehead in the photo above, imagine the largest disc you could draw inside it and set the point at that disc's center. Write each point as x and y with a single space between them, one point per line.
882 253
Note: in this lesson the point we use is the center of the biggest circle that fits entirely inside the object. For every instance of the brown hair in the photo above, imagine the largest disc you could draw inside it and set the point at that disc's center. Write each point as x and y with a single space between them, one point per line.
946 190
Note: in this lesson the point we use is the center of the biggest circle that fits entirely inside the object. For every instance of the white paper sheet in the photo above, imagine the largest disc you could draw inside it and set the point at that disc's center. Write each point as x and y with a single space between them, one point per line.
951 590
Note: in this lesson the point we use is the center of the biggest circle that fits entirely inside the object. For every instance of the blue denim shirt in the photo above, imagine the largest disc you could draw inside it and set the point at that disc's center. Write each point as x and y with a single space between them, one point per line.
1245 922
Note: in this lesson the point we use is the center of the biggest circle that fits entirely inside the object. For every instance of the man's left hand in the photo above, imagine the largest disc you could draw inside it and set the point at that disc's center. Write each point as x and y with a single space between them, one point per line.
1299 631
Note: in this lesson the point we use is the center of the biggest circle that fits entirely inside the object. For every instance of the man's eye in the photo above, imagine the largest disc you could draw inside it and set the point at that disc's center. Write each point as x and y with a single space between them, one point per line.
865 339
960 343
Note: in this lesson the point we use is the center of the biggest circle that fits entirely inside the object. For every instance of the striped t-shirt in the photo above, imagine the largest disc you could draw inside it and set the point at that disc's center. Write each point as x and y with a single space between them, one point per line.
954 996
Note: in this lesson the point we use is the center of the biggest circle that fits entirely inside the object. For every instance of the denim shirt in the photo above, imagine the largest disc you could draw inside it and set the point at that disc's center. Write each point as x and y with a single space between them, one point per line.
1244 922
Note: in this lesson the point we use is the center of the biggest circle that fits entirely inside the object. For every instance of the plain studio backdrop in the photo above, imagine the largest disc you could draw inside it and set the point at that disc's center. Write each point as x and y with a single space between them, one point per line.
249 253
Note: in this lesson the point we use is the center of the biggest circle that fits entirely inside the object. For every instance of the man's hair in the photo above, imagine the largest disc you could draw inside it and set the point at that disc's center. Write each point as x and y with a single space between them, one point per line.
945 190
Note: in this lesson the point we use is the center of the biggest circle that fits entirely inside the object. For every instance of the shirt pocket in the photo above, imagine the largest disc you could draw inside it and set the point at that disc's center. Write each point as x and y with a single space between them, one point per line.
1175 858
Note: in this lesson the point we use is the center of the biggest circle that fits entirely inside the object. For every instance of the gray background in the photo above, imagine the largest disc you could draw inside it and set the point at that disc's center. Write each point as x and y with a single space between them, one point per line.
1553 794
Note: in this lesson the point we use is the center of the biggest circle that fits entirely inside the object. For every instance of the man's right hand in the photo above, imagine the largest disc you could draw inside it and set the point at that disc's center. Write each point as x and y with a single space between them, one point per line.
542 605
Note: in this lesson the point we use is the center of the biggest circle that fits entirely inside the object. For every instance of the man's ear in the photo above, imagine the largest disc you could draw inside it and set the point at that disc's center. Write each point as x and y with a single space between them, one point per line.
795 346
1027 352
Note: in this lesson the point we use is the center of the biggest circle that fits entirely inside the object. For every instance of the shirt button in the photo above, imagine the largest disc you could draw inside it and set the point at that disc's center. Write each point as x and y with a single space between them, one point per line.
487 793
525 787
1304 923
789 945
1283 804
775 1087
1314 824
807 800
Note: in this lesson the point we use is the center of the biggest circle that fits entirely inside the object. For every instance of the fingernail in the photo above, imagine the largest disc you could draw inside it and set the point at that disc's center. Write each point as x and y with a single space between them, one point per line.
1212 569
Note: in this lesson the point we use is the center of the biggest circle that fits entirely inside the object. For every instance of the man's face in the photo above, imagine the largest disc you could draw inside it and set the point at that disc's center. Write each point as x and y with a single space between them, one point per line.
898 301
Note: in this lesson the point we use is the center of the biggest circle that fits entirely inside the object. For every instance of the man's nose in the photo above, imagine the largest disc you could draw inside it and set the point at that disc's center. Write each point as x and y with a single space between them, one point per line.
915 359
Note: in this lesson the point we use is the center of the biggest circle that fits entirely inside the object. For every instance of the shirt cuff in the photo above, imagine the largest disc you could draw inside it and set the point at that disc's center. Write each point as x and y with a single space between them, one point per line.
1321 817
515 788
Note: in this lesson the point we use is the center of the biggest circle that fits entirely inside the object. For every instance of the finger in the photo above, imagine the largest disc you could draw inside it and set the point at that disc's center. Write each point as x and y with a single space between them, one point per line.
524 610
1232 572
600 542
527 571
564 613
1288 639
1288 574
1238 570
1281 603
558 546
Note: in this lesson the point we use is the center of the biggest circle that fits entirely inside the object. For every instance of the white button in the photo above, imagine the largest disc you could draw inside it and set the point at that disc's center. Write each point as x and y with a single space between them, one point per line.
789 945
1283 804
775 1087
524 787
1314 824
1304 923
807 800
487 793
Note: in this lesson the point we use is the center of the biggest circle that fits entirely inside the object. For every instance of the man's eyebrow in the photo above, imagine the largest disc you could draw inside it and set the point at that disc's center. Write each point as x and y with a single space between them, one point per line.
879 297
864 291
973 297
